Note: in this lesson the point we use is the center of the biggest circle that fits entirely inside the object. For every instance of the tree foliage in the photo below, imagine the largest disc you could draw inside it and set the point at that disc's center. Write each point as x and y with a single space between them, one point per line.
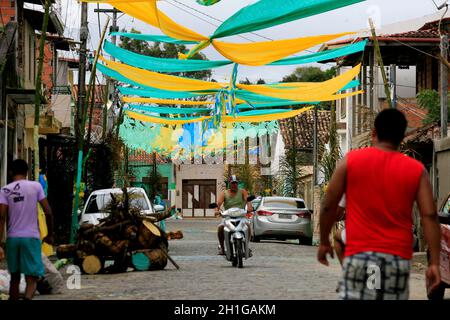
332 154
430 101
310 74
154 181
290 166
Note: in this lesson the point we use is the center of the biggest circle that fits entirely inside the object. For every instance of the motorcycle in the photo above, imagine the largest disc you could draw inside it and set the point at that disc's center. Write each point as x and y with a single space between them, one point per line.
237 234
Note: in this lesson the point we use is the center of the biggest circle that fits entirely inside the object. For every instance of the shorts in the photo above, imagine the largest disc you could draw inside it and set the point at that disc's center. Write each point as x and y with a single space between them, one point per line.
222 222
375 276
24 256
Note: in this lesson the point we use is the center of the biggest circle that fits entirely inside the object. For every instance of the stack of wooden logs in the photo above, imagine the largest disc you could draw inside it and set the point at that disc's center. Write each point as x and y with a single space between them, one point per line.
174 235
119 237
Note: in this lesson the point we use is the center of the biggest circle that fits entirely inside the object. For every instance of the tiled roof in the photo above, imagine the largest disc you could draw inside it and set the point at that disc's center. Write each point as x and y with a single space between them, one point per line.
434 24
142 157
431 33
304 125
413 113
425 134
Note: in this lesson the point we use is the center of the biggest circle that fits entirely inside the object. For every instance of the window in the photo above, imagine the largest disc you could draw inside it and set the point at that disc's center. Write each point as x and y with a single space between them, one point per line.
284 203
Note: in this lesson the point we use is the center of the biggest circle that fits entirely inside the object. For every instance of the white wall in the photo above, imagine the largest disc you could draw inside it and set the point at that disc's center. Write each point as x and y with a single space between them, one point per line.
279 152
197 172
61 106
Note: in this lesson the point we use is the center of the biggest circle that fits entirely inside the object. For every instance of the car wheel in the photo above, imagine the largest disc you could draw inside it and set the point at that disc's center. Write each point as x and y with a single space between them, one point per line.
438 293
306 241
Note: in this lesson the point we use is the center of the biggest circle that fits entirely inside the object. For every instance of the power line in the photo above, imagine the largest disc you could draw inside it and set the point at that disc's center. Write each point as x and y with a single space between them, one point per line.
214 18
241 36
209 22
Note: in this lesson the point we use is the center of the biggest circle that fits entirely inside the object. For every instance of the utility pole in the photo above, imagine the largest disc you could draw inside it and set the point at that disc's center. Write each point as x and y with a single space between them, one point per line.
83 118
444 87
38 93
84 34
380 63
109 83
315 148
393 76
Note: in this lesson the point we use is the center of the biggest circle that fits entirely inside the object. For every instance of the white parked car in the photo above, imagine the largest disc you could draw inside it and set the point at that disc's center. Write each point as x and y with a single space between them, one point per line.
281 218
99 200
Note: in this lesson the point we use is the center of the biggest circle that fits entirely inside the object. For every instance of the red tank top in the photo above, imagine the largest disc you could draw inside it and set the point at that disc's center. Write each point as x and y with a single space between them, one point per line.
381 190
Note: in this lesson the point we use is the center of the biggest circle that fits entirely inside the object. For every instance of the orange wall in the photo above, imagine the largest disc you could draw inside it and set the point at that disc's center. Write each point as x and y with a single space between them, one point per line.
8 11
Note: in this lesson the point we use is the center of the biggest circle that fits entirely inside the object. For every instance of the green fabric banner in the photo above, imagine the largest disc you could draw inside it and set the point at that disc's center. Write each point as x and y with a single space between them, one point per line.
160 64
168 110
324 55
265 13
150 92
152 38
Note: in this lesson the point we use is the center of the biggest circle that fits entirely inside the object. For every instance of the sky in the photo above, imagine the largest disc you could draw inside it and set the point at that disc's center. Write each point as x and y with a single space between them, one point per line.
352 18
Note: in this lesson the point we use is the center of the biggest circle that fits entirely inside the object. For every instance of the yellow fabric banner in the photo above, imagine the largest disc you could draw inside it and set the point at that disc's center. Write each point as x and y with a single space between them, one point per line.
311 92
46 248
226 119
252 54
266 117
166 101
263 53
161 81
148 12
308 92
145 118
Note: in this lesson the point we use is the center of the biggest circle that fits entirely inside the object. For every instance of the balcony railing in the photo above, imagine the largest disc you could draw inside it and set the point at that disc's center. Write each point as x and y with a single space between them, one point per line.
61 90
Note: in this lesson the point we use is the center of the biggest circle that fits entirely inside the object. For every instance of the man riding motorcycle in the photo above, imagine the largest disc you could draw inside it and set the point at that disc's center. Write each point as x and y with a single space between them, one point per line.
231 198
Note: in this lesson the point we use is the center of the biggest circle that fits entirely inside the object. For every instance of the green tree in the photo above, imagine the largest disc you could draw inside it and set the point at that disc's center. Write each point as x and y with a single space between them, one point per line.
430 101
154 181
332 155
310 74
245 81
290 165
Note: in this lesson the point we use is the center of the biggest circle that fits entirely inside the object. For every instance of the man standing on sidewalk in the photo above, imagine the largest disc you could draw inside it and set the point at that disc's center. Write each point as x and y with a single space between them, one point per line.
18 203
381 185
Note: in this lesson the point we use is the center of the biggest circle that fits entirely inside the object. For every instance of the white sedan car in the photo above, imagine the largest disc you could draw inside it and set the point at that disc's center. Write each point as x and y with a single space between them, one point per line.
99 199
282 218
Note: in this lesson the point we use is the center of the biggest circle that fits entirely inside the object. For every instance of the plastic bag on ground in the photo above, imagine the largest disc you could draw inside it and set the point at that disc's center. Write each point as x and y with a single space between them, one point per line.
53 282
5 278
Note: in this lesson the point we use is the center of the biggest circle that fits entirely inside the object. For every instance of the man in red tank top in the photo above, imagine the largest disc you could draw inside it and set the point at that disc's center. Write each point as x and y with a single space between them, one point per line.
381 185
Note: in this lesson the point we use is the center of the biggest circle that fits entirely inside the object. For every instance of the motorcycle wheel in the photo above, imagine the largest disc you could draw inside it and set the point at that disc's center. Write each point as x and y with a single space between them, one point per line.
234 260
239 253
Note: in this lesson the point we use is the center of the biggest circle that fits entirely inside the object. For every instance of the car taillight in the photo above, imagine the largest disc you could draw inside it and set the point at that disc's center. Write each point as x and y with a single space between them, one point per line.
264 213
305 215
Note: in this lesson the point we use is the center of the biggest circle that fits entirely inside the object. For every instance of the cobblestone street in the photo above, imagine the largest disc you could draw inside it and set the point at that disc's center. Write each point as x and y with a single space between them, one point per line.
278 270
